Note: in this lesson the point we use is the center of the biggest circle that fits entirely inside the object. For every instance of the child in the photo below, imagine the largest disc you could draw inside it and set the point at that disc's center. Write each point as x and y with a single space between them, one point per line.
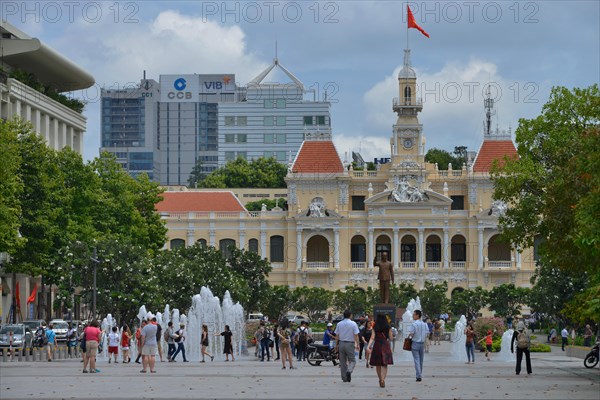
113 344
488 344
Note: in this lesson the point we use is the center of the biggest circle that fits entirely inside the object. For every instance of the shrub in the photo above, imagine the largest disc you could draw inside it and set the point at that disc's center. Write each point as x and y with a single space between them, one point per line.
496 344
482 325
539 348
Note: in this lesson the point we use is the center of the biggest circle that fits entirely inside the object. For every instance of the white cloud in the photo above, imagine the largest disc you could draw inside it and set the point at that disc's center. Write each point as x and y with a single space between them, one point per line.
369 147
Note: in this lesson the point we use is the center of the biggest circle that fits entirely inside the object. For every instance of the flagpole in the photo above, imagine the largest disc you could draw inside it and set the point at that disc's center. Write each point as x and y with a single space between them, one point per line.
407 29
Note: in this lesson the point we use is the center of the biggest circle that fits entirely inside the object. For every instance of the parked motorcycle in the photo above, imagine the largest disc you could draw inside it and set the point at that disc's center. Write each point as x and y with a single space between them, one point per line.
591 359
318 353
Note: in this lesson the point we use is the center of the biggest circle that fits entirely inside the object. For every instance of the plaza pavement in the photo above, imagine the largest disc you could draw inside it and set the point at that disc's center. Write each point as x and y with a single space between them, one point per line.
555 376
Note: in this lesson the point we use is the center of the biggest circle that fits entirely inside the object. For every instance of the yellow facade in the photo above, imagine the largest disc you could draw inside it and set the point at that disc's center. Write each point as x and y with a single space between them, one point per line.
412 210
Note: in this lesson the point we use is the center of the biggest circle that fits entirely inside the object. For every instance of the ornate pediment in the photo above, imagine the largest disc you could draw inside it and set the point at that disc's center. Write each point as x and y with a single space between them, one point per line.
427 199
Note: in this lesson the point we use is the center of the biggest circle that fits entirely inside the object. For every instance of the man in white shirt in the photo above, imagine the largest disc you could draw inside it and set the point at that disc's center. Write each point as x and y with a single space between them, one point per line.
347 341
418 331
565 337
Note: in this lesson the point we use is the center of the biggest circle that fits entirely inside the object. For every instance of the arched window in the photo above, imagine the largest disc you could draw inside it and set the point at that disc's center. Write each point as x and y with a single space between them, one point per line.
498 250
433 249
407 95
458 248
177 244
358 249
408 249
276 249
253 245
201 243
225 246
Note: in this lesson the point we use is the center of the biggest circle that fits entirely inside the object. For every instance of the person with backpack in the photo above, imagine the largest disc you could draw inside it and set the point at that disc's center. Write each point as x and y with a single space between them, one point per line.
180 346
71 340
301 342
170 337
265 342
521 336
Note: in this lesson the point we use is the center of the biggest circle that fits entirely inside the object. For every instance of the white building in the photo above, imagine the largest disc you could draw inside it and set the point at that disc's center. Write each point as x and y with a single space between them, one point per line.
59 125
271 119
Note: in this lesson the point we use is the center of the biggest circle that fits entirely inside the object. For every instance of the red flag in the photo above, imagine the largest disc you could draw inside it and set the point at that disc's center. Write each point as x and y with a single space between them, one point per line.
413 24
18 296
31 298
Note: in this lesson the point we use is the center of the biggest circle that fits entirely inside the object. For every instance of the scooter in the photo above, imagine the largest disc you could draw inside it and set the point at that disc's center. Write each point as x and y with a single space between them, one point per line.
318 353
591 359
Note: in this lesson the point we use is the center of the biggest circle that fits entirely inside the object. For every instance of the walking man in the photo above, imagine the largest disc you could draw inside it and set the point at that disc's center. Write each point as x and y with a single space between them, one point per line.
346 333
565 337
418 332
149 348
171 336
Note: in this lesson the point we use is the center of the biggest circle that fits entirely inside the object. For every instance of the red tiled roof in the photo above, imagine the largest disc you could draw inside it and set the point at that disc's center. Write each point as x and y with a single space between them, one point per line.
199 201
493 150
318 157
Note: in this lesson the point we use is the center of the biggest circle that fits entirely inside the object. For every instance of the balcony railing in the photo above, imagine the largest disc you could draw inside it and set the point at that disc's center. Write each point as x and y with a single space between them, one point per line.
358 265
360 174
458 264
410 102
409 265
433 264
499 264
317 265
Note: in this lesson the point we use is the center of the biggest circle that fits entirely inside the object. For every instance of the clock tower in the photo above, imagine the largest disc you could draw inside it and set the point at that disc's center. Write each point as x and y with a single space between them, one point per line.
407 142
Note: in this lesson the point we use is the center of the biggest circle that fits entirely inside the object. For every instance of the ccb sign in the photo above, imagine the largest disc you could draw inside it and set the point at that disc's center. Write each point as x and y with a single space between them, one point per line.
179 85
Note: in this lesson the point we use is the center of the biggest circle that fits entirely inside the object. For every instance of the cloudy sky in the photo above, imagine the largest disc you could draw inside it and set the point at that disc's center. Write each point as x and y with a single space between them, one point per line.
354 49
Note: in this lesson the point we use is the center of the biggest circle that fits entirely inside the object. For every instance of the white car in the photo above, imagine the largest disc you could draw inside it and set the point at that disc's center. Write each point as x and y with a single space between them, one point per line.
296 318
60 328
255 317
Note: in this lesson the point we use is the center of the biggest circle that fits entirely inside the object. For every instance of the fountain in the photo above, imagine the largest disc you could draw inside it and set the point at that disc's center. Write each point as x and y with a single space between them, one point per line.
459 339
505 354
207 310
407 320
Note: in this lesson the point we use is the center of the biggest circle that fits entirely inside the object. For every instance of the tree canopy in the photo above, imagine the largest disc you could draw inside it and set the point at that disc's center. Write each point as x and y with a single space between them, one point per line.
443 157
552 189
239 173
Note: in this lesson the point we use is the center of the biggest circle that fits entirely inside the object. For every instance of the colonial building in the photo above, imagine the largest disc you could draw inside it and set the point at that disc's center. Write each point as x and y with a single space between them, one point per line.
436 225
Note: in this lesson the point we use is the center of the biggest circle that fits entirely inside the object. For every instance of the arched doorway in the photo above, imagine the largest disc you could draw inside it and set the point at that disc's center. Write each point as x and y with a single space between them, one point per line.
317 252
458 252
433 251
358 252
408 251
498 253
383 244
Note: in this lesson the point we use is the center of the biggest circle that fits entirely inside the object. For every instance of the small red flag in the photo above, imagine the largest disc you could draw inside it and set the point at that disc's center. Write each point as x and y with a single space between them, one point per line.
31 298
413 24
17 296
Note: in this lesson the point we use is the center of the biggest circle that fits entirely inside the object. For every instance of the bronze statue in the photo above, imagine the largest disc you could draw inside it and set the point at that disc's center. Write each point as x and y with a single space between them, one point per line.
386 274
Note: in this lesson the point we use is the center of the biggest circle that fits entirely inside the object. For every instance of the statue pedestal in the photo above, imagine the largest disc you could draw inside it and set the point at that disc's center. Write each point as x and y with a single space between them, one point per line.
385 309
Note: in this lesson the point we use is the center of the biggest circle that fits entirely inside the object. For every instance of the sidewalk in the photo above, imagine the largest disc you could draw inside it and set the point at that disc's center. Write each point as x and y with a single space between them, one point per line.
555 376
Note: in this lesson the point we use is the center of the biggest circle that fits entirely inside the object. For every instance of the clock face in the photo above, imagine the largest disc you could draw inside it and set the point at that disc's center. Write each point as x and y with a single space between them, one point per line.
408 143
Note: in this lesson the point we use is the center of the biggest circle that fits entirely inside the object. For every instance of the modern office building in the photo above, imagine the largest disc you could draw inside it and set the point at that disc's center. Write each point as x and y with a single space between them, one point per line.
188 129
271 119
128 118
59 125
435 225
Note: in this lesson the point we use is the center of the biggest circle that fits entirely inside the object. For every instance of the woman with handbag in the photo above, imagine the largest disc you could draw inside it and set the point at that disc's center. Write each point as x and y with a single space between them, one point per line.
381 353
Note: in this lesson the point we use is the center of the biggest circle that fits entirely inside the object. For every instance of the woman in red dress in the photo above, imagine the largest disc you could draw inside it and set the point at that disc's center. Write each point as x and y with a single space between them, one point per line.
381 355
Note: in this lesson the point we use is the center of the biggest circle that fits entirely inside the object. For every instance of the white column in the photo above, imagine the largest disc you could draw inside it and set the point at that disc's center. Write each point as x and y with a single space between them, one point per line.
298 248
263 240
480 247
518 254
54 134
370 250
211 229
36 121
70 137
242 237
336 247
446 246
421 248
45 128
395 248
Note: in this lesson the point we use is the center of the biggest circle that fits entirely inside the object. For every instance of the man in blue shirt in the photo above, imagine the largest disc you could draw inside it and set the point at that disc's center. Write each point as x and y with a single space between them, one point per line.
418 331
51 341
329 336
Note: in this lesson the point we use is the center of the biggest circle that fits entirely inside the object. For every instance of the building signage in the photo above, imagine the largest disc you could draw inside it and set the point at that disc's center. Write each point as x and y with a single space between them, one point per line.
214 84
383 160
179 88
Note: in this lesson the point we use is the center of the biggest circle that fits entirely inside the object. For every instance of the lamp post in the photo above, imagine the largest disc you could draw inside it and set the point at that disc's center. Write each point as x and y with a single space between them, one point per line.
95 261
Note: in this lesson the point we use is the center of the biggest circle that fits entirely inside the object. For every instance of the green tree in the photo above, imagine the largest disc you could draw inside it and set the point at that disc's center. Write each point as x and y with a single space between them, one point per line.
400 294
433 298
353 298
11 185
553 186
254 270
439 156
313 301
460 156
239 173
278 301
269 203
468 302
197 175
506 300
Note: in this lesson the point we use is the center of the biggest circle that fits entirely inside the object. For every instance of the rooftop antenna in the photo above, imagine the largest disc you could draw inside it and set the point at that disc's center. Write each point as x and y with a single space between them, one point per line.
488 104
276 57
